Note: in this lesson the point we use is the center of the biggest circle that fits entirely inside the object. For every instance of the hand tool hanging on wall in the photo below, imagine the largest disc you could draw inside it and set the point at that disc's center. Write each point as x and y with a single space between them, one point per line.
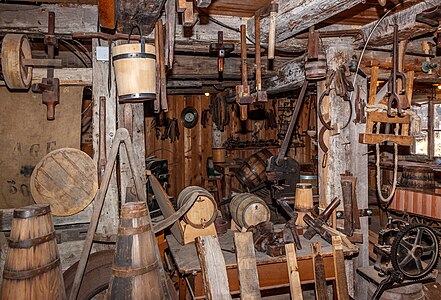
102 160
243 96
50 86
222 49
260 95
220 112
163 76
350 205
393 93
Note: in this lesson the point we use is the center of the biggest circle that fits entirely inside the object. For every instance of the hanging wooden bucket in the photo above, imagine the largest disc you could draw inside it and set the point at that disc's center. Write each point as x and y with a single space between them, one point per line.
316 69
248 209
417 177
253 170
303 203
135 72
16 48
204 210
32 267
135 269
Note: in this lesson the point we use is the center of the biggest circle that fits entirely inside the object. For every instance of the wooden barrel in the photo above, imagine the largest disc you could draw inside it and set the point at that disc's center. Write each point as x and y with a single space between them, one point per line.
303 203
252 172
417 177
135 72
248 209
203 212
16 48
312 179
32 267
135 269
219 155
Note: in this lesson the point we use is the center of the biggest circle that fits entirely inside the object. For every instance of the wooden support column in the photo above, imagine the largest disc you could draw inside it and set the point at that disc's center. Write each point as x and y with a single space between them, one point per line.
345 153
110 214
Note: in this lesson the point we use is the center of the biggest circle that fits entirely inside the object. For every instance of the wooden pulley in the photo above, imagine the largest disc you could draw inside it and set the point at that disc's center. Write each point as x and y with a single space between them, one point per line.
15 49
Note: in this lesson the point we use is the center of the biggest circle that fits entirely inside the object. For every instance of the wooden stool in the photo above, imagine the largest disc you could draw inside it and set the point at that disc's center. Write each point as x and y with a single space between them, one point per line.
213 184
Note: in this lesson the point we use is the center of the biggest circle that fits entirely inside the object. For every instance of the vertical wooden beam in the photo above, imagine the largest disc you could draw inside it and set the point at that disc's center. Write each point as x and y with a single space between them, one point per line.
188 16
213 268
108 225
181 5
246 263
321 290
293 271
373 85
339 269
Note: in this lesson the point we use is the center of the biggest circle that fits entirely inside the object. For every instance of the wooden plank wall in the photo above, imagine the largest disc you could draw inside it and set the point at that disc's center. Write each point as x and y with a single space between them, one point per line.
187 157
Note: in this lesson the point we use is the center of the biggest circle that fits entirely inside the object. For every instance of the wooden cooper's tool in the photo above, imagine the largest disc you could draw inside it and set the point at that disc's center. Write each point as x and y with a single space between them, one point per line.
261 95
339 269
316 225
222 49
293 271
243 96
321 291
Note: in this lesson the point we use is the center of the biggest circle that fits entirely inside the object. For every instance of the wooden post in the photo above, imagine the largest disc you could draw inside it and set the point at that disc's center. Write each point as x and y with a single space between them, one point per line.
339 267
346 154
246 263
321 290
293 271
108 225
213 268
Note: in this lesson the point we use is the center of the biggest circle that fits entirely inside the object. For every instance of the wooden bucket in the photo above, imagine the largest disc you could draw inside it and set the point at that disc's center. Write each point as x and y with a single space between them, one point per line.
135 72
312 179
204 210
32 267
135 269
417 177
248 209
219 155
252 172
303 203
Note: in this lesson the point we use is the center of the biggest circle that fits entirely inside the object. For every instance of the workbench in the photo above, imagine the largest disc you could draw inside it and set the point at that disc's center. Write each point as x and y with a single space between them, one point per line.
272 271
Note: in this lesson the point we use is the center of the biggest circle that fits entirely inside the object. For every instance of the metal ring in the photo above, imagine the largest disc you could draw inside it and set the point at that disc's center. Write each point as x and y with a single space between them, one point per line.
134 55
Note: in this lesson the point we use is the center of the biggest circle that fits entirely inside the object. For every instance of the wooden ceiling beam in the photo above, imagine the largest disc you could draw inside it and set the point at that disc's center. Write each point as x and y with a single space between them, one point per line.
295 16
33 19
289 78
408 27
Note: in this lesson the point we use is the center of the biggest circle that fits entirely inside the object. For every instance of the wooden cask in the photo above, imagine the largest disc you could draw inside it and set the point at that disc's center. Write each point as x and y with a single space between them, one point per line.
303 203
135 72
204 210
248 209
252 172
32 267
135 269
420 177
16 48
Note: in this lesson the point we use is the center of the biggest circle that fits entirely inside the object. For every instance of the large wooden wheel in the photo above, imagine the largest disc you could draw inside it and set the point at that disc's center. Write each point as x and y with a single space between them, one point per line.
15 49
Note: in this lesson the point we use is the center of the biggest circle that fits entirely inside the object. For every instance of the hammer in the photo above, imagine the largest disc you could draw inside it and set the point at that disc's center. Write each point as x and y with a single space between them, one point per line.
243 96
316 225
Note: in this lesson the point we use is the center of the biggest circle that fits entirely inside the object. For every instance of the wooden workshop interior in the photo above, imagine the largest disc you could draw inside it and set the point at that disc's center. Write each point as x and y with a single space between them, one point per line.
219 149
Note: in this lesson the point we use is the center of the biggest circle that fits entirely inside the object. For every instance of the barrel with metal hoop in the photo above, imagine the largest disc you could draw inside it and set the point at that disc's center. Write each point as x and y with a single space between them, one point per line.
248 210
316 69
303 203
421 177
252 172
135 71
135 269
203 212
312 179
32 267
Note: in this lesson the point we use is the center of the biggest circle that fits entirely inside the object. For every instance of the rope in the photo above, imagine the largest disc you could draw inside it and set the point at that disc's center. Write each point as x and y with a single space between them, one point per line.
377 163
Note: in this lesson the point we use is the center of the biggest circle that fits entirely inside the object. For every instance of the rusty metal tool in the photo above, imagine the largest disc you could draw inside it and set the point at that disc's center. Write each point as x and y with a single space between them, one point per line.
102 160
50 86
392 83
260 95
222 49
316 225
243 96
291 224
360 105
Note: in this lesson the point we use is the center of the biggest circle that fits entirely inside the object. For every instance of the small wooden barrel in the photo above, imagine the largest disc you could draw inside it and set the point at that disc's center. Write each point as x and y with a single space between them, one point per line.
248 209
16 48
316 69
303 203
135 269
219 155
32 267
312 179
253 170
135 72
204 210
417 177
